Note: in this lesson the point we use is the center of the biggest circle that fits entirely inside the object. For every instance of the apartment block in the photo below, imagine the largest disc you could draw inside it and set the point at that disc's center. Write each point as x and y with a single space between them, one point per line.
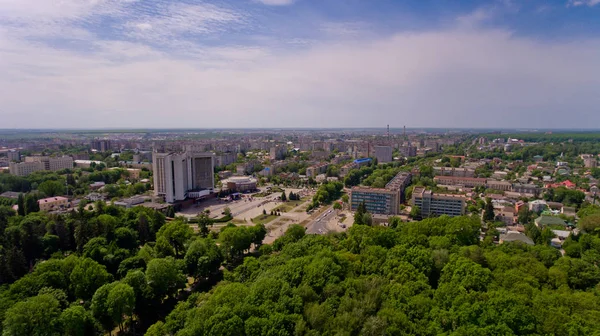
377 200
316 170
383 154
277 152
25 168
13 155
382 201
432 204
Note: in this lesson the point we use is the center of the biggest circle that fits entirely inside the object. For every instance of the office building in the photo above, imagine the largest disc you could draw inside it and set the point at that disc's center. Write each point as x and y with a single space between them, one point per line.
175 174
383 154
432 204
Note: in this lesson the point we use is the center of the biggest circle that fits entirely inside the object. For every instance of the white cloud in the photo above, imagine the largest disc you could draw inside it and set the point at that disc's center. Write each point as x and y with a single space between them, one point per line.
276 2
445 79
169 21
576 3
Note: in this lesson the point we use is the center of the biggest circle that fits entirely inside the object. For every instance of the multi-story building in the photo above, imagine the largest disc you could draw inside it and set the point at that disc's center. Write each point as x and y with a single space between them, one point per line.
377 200
53 203
499 185
469 182
40 163
277 152
101 145
451 171
13 155
347 168
383 154
25 168
589 161
382 201
316 170
225 159
52 163
408 151
177 173
438 204
531 189
399 183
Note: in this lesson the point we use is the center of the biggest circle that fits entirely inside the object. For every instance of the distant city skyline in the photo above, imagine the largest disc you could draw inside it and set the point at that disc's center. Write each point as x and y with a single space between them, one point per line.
94 64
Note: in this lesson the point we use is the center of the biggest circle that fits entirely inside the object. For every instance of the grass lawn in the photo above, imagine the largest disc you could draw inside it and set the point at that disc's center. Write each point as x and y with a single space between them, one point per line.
263 219
289 205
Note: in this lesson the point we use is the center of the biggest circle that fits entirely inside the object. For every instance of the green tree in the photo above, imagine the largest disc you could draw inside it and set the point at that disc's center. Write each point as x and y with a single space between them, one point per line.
203 257
164 277
204 222
76 321
283 197
590 223
87 276
36 316
51 188
99 306
488 213
21 205
415 212
120 303
359 214
31 204
524 215
177 233
337 206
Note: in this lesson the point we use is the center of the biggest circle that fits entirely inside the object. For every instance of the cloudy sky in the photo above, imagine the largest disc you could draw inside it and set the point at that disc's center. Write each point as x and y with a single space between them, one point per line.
299 63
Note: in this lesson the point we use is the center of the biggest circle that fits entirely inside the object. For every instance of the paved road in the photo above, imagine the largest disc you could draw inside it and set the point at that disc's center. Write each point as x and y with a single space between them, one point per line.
319 225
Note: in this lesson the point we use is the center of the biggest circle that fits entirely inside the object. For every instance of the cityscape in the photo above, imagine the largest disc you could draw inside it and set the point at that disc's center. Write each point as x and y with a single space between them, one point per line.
299 168
194 207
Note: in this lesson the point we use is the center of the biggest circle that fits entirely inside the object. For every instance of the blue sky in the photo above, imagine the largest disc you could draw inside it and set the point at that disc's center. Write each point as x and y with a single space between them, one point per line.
302 63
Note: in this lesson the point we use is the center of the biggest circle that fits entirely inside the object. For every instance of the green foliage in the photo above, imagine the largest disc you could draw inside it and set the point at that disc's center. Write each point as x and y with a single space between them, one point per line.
37 315
202 258
165 277
488 212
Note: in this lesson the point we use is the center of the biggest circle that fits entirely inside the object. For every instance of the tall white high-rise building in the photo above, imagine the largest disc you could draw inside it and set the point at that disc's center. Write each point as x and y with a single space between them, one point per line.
177 174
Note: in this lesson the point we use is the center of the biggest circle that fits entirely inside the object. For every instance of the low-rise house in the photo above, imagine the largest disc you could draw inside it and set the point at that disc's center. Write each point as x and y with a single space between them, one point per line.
544 220
514 236
53 203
